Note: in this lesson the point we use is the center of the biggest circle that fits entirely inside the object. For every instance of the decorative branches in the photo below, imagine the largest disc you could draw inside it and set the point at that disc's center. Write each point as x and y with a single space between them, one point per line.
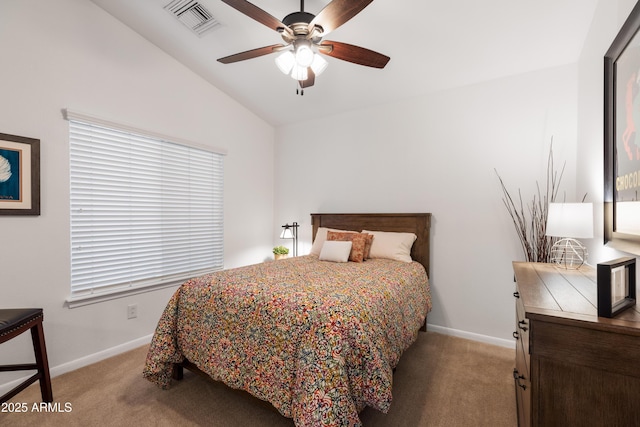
531 230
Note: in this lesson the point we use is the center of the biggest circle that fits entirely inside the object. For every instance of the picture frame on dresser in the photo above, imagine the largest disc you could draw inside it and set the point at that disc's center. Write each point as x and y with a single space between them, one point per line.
616 286
621 138
19 175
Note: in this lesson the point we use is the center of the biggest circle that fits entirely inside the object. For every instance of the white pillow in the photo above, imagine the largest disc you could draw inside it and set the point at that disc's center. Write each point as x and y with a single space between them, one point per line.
391 245
335 251
321 237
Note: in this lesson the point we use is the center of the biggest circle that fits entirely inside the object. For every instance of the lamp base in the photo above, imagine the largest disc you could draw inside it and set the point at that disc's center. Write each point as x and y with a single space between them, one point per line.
569 253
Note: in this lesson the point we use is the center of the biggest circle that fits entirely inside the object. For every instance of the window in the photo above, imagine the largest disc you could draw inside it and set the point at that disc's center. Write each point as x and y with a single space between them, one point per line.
145 211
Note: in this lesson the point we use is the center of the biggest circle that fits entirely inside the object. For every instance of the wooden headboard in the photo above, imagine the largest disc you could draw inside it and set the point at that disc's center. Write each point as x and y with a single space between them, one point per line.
417 223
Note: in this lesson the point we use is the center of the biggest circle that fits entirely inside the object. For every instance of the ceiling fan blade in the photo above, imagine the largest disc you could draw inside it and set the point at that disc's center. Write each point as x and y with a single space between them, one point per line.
337 13
357 55
311 79
253 11
249 54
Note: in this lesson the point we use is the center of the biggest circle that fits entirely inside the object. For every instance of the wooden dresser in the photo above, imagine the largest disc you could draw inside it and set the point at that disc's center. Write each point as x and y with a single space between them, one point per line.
573 368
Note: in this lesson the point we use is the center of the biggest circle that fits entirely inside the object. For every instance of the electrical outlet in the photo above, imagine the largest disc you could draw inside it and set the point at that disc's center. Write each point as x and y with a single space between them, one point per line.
132 311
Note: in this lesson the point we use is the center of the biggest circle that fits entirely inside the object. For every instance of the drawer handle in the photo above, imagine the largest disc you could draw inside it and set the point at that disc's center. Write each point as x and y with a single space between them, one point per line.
523 325
517 377
516 294
516 335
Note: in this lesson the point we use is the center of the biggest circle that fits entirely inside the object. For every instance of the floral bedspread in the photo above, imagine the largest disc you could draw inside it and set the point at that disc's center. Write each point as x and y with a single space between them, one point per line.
318 340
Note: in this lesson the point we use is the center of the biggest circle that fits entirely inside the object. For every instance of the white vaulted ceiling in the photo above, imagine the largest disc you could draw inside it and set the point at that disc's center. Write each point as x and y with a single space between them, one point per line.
433 45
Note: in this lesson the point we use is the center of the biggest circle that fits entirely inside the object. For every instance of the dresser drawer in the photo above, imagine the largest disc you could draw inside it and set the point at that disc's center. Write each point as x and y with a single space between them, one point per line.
521 377
522 328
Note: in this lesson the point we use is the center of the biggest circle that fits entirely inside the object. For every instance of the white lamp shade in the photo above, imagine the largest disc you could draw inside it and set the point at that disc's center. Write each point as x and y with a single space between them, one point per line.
286 233
304 55
318 65
285 61
570 220
299 73
627 214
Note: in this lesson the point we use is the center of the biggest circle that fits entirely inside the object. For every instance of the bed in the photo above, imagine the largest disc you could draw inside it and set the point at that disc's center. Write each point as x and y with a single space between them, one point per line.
318 340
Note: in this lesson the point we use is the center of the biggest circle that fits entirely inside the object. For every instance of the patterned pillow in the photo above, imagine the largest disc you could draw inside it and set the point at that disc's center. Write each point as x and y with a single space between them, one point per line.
367 245
321 237
358 241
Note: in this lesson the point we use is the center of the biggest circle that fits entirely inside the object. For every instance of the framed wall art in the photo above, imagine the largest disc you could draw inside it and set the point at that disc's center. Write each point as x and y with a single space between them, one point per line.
622 138
19 175
616 286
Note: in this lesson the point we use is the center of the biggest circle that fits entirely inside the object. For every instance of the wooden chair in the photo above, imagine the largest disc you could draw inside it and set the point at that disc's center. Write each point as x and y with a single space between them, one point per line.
14 322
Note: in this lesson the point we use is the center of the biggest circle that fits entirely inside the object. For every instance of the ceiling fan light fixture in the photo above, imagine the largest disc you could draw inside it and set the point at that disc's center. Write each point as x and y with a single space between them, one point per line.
304 54
319 64
299 73
286 61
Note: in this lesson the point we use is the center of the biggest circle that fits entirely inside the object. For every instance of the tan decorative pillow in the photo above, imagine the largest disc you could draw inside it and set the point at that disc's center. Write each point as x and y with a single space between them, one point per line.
335 251
391 245
358 241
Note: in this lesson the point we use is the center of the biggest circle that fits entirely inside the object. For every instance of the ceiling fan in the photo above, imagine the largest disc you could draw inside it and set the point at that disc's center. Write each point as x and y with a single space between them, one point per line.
304 32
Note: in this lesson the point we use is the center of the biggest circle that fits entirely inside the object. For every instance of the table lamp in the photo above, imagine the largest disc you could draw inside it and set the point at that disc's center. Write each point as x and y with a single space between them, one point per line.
291 232
569 221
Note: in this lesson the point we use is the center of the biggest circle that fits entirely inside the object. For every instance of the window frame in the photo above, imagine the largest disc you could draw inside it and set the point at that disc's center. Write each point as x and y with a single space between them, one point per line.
96 293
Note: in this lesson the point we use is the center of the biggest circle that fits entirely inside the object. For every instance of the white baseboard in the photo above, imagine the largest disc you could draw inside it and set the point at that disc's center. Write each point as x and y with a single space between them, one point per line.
83 361
472 336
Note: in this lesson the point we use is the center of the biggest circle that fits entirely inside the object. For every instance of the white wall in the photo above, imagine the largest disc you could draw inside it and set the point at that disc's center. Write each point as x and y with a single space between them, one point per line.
437 154
70 53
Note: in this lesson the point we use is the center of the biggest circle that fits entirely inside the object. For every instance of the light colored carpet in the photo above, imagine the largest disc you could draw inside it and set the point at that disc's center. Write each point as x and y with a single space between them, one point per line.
440 381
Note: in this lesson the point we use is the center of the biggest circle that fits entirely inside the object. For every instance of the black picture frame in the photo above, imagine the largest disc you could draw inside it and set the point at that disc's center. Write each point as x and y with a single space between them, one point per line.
19 175
616 286
621 162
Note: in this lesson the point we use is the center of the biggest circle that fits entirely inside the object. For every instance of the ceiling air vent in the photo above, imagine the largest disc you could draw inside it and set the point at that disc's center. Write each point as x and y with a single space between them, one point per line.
193 15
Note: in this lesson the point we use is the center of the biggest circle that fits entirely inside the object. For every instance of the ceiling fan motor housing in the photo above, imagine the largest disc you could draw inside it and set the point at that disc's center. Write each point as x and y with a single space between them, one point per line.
298 22
298 18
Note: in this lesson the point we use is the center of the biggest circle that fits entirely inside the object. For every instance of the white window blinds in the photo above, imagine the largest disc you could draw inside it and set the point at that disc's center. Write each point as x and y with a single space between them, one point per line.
145 212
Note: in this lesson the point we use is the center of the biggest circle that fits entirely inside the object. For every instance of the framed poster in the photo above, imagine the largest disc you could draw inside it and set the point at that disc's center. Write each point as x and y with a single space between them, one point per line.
19 175
622 138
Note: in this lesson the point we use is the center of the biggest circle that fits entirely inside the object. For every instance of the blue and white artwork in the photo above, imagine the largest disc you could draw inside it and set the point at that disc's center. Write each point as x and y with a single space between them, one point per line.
9 175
